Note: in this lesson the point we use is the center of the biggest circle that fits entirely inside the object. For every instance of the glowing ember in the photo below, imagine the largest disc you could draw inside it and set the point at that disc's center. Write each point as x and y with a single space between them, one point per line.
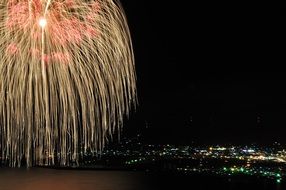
42 22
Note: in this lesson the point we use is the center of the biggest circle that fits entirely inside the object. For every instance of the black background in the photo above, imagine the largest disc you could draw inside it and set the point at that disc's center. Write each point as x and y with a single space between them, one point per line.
208 72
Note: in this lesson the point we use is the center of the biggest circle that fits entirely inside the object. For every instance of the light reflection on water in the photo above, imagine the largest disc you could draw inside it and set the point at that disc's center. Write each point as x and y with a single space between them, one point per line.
49 179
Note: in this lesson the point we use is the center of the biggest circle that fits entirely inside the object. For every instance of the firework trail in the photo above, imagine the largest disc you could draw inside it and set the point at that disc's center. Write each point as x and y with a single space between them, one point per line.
67 78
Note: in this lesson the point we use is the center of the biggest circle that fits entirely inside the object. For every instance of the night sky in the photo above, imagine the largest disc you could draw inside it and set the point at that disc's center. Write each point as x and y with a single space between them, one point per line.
210 73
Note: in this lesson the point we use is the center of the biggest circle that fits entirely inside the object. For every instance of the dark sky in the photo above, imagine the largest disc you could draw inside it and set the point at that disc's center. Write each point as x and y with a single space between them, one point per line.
208 72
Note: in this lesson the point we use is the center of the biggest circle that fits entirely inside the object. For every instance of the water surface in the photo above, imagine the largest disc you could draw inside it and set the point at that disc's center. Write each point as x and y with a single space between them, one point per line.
52 179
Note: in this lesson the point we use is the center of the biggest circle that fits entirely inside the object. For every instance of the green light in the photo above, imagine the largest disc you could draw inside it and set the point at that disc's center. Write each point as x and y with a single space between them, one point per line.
224 168
278 180
278 175
242 169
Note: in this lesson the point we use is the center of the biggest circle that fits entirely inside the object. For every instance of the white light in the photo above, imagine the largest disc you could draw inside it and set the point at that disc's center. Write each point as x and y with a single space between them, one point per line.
42 22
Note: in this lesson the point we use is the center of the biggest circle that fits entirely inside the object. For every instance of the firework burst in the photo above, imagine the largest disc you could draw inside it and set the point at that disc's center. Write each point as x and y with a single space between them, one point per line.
66 78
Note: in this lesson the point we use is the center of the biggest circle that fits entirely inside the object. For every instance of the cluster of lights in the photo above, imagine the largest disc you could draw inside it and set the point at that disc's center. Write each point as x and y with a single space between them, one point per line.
135 161
232 171
248 161
252 171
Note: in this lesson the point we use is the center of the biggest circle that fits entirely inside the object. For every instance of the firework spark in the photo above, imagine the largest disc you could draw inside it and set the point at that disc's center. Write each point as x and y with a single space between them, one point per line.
66 78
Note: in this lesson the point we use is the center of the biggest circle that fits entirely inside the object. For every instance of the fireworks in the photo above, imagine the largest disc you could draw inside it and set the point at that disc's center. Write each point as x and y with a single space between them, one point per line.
67 78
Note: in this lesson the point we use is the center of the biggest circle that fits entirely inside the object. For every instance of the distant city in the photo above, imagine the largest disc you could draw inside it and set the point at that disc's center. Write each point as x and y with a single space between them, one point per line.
222 160
219 160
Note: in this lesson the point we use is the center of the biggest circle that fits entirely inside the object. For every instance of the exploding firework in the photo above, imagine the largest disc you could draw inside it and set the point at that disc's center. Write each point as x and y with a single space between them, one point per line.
67 78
